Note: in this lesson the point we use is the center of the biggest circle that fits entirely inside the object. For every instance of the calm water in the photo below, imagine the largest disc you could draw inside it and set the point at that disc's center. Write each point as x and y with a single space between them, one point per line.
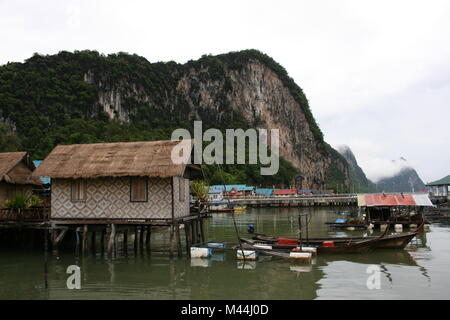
420 272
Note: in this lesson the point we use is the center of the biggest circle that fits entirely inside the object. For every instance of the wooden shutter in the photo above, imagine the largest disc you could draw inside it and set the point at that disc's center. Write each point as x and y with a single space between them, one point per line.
78 190
139 189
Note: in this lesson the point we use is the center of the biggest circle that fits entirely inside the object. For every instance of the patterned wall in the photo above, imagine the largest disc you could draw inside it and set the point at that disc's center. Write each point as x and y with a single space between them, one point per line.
181 207
110 198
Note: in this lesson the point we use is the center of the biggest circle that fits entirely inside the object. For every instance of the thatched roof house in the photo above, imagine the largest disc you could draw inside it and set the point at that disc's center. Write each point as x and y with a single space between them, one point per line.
120 180
16 170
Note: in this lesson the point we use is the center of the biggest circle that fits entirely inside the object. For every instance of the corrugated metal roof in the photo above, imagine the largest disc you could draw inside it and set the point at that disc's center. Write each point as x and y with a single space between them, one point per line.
264 191
229 187
44 180
393 200
440 182
284 191
422 200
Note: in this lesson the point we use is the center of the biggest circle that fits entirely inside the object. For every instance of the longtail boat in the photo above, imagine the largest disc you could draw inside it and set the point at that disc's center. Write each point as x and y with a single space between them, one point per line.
328 247
393 241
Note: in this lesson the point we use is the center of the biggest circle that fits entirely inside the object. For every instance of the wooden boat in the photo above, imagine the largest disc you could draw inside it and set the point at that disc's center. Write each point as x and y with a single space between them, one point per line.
350 246
221 210
393 241
346 225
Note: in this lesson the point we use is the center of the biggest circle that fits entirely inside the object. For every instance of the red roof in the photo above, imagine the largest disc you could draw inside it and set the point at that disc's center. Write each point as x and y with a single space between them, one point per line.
389 200
280 192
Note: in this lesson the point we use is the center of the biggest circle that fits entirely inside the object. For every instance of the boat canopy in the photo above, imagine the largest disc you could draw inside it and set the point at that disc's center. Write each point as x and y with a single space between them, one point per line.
394 200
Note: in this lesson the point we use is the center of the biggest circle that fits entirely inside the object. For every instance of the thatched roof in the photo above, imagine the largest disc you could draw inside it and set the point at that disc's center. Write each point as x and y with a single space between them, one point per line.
16 168
149 158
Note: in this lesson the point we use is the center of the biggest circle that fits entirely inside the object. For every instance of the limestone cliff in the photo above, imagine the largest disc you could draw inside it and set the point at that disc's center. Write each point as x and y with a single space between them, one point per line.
220 88
238 89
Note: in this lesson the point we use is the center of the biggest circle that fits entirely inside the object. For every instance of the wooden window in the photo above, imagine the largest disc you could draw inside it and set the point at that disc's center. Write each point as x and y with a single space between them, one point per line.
78 191
181 189
138 189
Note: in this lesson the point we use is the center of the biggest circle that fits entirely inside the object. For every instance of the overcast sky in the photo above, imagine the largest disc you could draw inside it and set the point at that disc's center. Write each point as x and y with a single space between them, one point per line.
376 73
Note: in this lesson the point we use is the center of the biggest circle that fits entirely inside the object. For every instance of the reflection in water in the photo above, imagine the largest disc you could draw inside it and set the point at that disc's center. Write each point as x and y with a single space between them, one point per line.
155 276
384 270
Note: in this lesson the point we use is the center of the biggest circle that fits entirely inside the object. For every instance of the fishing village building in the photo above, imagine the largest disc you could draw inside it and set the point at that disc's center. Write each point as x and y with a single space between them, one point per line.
396 209
16 170
440 188
119 184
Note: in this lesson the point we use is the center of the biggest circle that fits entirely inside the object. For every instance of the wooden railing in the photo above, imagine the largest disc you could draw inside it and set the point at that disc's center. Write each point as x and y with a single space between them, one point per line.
24 215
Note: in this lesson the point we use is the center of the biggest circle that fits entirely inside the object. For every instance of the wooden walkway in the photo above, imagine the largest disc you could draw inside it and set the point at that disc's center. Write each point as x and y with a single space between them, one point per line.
299 201
100 235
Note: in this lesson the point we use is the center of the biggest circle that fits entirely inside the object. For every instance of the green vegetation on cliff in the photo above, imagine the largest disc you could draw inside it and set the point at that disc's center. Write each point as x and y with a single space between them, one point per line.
54 99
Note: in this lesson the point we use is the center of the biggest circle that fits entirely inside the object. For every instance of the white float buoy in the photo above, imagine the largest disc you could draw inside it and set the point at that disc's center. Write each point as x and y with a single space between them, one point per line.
312 250
350 228
297 268
383 227
199 262
370 226
216 245
426 227
398 227
413 226
301 256
246 254
197 252
264 247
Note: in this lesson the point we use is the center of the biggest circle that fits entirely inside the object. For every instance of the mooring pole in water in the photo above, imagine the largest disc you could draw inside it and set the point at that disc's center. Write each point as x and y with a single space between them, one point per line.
300 227
187 235
308 220
238 236
45 258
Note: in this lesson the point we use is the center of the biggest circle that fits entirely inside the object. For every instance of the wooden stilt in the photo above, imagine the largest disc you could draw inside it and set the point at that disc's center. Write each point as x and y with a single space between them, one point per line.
56 239
112 235
202 230
93 242
141 238
115 241
77 245
102 241
53 236
148 238
178 239
193 233
171 240
125 241
84 240
135 239
45 258
187 234
197 233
